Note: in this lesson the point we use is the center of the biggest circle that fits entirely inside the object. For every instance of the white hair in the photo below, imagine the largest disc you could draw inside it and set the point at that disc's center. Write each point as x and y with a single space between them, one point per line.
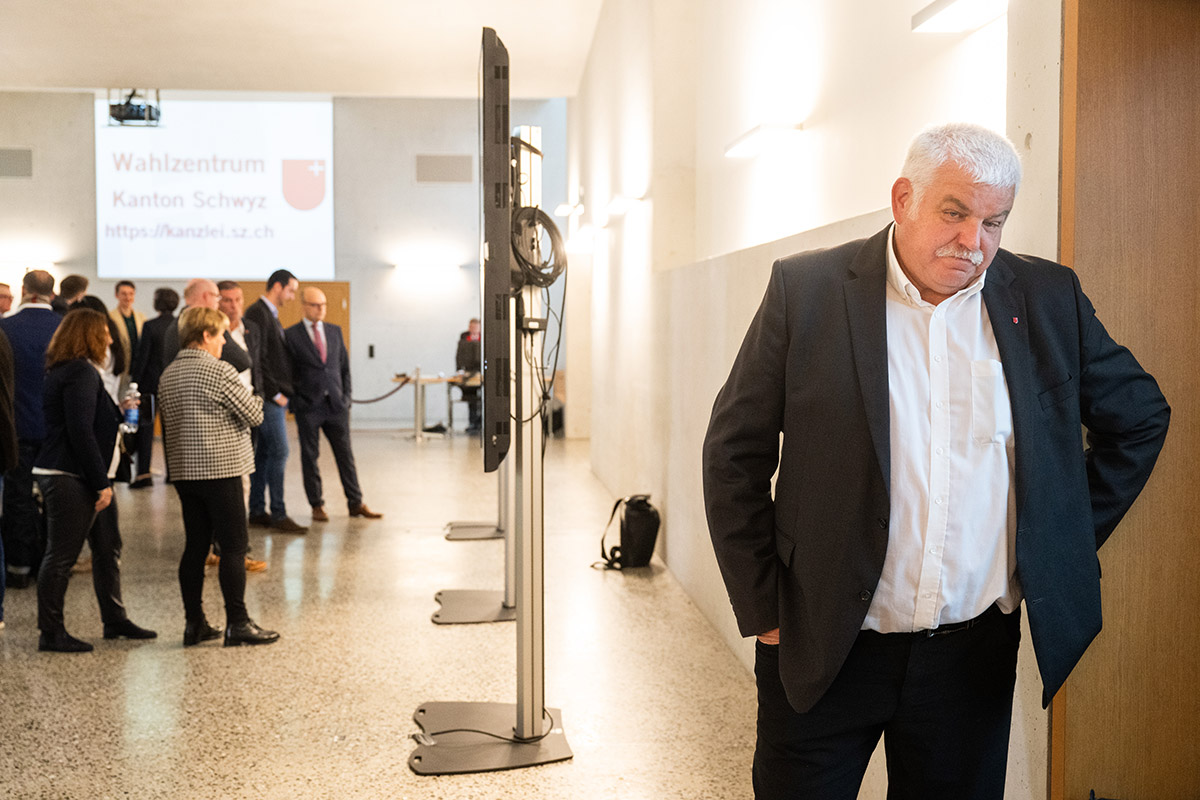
987 156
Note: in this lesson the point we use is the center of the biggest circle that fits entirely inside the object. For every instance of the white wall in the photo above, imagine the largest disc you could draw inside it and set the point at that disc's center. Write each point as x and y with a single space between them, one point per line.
665 329
412 313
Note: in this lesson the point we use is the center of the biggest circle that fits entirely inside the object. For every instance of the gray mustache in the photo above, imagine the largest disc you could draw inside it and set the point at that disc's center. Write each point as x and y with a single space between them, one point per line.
950 251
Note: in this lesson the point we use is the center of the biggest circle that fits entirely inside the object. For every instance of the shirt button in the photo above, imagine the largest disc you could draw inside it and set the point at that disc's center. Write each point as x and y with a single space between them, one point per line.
941 404
938 501
864 596
883 522
938 359
939 451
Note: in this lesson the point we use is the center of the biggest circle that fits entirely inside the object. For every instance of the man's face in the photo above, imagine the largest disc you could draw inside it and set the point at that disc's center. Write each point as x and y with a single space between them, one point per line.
231 305
288 292
314 305
951 237
6 299
125 296
210 297
473 330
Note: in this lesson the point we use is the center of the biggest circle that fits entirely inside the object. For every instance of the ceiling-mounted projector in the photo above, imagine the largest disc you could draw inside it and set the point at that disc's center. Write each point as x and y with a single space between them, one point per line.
134 110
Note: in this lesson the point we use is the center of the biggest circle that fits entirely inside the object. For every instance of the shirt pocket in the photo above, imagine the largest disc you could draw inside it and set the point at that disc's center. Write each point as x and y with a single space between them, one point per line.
991 417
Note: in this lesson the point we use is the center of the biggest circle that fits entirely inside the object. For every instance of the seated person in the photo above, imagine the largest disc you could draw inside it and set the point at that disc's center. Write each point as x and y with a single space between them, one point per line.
468 361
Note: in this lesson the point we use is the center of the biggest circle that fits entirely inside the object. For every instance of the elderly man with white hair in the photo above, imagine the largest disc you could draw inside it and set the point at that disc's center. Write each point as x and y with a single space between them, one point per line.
929 388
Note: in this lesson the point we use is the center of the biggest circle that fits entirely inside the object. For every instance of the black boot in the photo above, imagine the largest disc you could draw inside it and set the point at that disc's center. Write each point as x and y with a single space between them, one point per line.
62 642
197 631
128 629
248 633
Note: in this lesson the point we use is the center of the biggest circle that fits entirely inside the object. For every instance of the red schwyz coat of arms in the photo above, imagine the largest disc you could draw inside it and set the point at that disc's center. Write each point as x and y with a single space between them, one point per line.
303 183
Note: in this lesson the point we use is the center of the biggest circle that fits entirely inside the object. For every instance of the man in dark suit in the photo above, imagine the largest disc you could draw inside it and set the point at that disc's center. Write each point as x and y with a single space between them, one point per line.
321 373
147 367
271 449
29 331
8 440
930 390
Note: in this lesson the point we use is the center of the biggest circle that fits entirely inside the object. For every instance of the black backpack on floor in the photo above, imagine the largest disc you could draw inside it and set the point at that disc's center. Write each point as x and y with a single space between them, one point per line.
639 532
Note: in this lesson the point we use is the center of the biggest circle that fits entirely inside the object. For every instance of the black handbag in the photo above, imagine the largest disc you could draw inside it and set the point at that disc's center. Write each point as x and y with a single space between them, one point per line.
639 532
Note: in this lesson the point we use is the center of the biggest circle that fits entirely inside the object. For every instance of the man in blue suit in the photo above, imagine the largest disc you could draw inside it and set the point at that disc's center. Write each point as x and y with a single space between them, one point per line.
321 378
29 330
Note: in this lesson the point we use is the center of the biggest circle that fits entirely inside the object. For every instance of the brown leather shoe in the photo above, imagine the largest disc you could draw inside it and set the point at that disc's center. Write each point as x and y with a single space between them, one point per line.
361 510
319 514
288 525
255 566
212 560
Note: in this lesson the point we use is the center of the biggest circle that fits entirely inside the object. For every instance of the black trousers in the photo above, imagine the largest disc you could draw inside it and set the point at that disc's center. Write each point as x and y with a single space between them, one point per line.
24 529
145 434
336 425
942 703
70 518
213 511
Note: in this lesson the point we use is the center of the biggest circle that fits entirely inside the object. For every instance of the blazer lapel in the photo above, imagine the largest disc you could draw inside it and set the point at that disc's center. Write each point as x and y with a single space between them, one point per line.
866 313
1006 308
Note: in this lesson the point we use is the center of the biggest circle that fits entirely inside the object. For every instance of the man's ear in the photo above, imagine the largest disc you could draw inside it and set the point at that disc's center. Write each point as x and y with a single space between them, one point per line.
902 199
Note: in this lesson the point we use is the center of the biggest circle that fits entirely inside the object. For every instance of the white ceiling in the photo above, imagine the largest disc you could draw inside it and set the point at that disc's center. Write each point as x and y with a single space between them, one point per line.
391 48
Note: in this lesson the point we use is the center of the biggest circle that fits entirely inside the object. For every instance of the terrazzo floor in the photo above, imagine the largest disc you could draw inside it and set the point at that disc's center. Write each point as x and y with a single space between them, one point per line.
653 704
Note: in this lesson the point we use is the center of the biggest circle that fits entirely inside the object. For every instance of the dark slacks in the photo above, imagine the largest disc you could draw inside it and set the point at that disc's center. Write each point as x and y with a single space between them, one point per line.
24 537
942 703
336 425
145 434
213 511
70 518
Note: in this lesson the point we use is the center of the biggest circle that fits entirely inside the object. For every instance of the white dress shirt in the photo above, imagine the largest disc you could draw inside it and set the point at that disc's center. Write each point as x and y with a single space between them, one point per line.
238 335
952 532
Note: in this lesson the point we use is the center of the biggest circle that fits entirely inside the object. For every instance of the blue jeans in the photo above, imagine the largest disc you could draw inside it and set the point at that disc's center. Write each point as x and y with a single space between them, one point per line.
270 457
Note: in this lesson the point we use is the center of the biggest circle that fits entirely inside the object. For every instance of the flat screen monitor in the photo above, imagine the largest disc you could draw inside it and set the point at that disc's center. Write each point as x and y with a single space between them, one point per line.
496 288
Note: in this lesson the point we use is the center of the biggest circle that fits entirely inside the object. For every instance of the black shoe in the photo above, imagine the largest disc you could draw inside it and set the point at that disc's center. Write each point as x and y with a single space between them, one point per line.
197 632
19 580
142 483
262 520
288 525
62 642
248 633
129 630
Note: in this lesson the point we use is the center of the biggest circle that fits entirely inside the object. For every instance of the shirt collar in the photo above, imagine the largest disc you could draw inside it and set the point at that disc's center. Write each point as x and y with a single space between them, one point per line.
899 281
23 306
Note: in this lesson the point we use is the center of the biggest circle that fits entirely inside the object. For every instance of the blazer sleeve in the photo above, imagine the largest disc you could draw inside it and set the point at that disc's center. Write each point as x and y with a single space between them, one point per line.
1126 417
345 367
741 453
243 406
82 392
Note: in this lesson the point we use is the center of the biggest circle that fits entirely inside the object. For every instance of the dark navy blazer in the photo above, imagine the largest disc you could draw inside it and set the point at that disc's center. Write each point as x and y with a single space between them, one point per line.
319 386
813 366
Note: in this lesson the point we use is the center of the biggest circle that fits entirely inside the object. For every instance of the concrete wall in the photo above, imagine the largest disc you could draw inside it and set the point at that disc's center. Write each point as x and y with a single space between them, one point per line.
409 250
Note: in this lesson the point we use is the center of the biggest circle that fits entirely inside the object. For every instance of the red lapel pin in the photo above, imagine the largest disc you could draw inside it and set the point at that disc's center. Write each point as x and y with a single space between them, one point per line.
1014 320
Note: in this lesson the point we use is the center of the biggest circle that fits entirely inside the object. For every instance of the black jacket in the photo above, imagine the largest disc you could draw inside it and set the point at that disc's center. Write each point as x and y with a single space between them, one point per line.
807 557
81 423
276 370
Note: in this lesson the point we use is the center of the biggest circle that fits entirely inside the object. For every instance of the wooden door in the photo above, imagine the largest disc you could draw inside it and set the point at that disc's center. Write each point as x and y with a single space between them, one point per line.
1127 724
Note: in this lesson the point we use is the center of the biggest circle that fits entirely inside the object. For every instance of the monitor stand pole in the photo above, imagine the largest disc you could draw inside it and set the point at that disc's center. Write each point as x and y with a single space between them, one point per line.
529 733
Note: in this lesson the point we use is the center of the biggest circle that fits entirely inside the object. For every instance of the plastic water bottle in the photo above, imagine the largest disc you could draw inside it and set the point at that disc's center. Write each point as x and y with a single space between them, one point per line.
130 424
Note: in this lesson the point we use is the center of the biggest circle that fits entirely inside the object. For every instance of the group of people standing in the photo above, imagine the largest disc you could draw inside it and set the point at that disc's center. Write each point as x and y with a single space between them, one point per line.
222 381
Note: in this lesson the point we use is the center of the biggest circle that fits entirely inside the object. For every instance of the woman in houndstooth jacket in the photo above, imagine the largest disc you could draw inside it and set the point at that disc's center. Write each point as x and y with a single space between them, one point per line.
207 415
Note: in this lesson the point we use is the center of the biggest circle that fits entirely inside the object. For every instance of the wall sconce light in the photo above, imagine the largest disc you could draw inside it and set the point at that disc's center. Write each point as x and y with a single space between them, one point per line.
582 240
761 138
618 206
957 16
568 210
